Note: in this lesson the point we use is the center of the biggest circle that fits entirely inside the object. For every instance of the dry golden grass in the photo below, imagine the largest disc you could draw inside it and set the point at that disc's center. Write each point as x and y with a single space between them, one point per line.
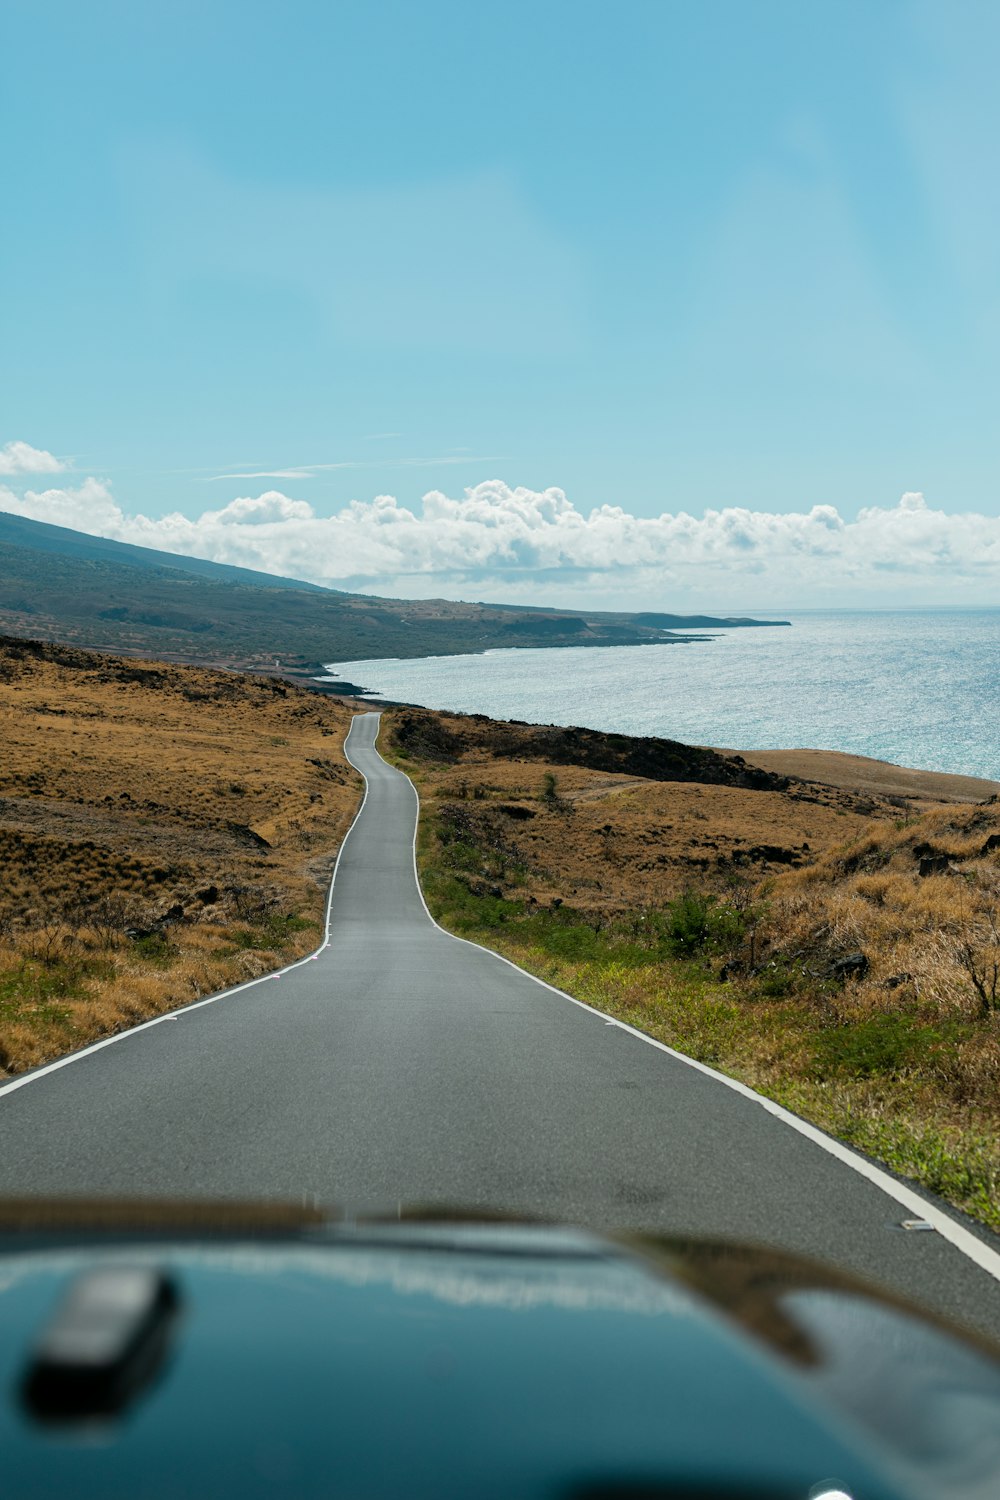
199 811
928 937
861 774
610 842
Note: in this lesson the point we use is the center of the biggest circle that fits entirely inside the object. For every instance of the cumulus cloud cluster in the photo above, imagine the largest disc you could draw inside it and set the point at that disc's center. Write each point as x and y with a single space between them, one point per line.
497 541
22 458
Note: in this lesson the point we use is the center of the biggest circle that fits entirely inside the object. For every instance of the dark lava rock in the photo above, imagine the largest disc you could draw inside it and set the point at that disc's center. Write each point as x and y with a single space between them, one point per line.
852 966
431 737
325 767
427 737
772 854
993 842
934 864
246 835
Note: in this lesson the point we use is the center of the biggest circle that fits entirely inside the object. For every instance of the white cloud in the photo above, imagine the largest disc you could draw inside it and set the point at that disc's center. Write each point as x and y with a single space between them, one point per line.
309 471
22 458
265 474
497 542
90 507
267 509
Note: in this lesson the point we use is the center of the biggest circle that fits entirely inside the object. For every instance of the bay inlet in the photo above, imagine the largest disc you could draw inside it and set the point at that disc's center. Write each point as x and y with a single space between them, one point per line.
918 688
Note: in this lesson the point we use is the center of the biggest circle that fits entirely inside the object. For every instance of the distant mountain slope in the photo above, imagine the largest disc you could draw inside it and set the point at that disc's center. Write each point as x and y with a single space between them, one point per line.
59 585
19 531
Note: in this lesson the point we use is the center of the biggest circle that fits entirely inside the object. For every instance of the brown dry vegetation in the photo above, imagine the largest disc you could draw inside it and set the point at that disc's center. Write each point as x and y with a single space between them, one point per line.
611 842
920 898
164 832
847 961
859 774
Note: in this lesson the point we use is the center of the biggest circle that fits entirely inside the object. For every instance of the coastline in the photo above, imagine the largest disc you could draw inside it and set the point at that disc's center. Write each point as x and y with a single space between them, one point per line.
835 768
900 690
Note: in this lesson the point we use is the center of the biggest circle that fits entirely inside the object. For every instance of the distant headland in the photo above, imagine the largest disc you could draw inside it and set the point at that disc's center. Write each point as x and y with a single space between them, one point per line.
68 587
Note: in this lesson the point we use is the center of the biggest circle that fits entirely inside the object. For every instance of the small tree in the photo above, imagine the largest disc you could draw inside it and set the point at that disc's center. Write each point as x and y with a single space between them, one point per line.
745 900
550 794
107 918
689 923
978 952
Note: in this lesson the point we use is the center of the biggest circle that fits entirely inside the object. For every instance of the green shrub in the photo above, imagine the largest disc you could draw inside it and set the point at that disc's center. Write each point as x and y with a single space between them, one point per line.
775 982
156 949
39 988
457 907
883 1043
271 934
783 977
565 937
696 922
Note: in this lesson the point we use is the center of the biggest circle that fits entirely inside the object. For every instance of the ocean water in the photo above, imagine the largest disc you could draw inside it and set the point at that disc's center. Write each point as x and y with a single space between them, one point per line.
914 687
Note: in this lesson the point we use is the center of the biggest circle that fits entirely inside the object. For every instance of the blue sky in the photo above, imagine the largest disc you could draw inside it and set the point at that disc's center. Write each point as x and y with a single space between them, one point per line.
659 257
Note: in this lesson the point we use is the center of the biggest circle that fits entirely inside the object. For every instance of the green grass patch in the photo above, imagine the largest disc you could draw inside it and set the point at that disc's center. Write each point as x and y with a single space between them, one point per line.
887 1043
38 990
960 1166
271 935
894 1124
154 949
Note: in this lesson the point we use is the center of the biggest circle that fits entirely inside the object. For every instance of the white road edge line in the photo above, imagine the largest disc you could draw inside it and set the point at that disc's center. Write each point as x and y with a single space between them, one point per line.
921 1208
184 1010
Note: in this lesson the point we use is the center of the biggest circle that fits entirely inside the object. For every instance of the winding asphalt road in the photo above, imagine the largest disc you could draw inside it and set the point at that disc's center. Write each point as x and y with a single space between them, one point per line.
403 1065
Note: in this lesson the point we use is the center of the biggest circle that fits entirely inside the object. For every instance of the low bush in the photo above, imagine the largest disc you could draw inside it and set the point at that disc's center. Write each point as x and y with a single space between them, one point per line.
885 1043
475 840
696 922
271 934
155 948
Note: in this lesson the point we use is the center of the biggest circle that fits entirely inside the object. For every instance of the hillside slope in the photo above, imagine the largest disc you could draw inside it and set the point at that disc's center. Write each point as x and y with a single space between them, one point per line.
61 541
164 832
61 585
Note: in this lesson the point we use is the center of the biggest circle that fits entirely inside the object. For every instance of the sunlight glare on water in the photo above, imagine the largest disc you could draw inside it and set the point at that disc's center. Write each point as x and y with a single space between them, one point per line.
917 688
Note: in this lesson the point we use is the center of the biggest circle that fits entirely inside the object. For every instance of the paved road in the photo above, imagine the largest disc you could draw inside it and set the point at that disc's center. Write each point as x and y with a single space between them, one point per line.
404 1066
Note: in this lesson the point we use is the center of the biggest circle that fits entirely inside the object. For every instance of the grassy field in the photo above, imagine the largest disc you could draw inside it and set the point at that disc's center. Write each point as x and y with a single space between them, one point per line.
164 832
836 949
